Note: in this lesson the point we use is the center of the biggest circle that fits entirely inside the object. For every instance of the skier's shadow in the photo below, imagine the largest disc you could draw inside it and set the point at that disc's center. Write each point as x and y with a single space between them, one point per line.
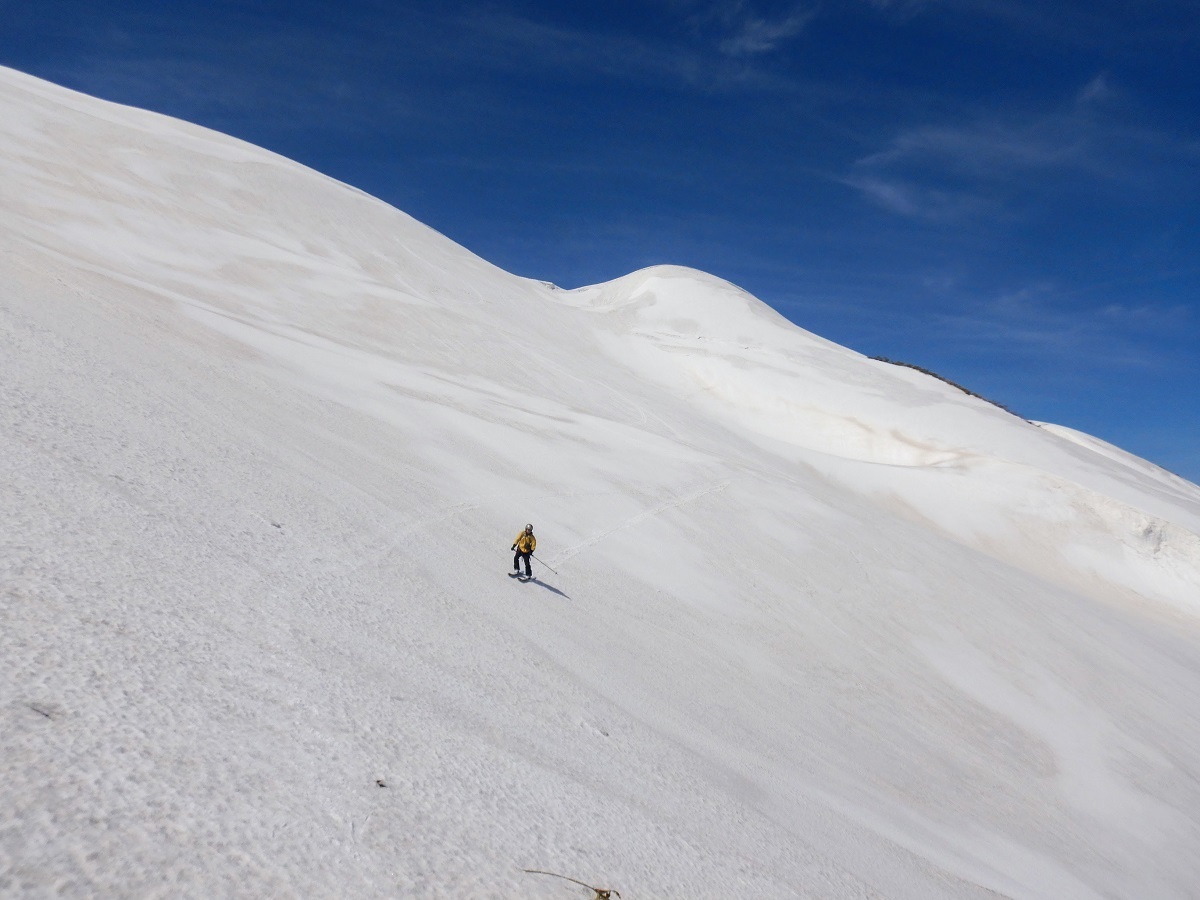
549 587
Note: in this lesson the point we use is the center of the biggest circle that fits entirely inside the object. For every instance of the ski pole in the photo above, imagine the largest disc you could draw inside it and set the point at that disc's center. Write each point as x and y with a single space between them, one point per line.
552 570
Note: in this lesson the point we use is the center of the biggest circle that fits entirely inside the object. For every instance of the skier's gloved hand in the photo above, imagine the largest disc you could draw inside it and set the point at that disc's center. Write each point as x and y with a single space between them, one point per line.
513 547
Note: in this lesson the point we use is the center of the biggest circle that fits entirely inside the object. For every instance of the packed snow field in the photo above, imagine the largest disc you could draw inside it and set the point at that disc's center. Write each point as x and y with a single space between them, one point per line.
817 626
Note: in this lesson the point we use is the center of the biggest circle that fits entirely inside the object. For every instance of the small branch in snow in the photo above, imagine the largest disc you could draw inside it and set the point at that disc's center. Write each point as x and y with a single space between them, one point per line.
601 893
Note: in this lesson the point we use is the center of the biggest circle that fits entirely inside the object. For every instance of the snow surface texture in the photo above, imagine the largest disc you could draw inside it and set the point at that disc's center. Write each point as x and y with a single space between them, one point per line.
821 626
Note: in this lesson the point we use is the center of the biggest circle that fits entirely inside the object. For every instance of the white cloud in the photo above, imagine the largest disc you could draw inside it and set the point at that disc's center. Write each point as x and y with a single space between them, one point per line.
1094 91
739 30
754 35
1043 317
974 164
915 201
983 148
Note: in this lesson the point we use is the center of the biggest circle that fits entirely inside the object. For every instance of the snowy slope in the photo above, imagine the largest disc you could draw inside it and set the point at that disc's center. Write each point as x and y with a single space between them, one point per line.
819 627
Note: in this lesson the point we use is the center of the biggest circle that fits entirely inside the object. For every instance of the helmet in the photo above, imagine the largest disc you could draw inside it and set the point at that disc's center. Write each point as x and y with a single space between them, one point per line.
529 528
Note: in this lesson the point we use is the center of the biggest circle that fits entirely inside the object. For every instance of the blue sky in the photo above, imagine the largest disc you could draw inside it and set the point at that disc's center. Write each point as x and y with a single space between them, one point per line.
1006 192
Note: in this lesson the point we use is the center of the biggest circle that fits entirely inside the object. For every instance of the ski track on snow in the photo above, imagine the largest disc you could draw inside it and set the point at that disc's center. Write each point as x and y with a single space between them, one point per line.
657 510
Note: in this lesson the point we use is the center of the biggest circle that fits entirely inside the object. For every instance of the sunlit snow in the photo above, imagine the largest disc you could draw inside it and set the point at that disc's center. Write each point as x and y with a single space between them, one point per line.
817 626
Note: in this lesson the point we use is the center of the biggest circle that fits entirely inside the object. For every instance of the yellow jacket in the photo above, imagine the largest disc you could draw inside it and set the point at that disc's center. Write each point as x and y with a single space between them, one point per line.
526 543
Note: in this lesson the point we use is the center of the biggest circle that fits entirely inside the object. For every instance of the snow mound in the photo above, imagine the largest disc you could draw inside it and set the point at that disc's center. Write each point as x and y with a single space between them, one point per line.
732 355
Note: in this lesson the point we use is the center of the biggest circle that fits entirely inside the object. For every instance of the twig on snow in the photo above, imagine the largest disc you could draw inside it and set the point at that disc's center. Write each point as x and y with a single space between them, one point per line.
601 893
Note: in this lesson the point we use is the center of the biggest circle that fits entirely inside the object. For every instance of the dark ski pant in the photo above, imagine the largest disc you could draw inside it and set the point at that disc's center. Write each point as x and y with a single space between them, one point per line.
517 563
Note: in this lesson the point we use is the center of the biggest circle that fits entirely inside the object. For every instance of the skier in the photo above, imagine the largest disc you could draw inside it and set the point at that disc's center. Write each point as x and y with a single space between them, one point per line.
524 546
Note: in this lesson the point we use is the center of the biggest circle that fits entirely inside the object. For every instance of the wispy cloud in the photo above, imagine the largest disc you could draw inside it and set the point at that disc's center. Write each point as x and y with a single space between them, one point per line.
917 201
1095 91
983 148
1076 329
740 29
502 40
1042 320
949 171
720 51
751 34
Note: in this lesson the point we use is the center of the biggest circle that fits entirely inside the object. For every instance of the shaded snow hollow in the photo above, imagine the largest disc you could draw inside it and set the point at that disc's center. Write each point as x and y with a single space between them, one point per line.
819 626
